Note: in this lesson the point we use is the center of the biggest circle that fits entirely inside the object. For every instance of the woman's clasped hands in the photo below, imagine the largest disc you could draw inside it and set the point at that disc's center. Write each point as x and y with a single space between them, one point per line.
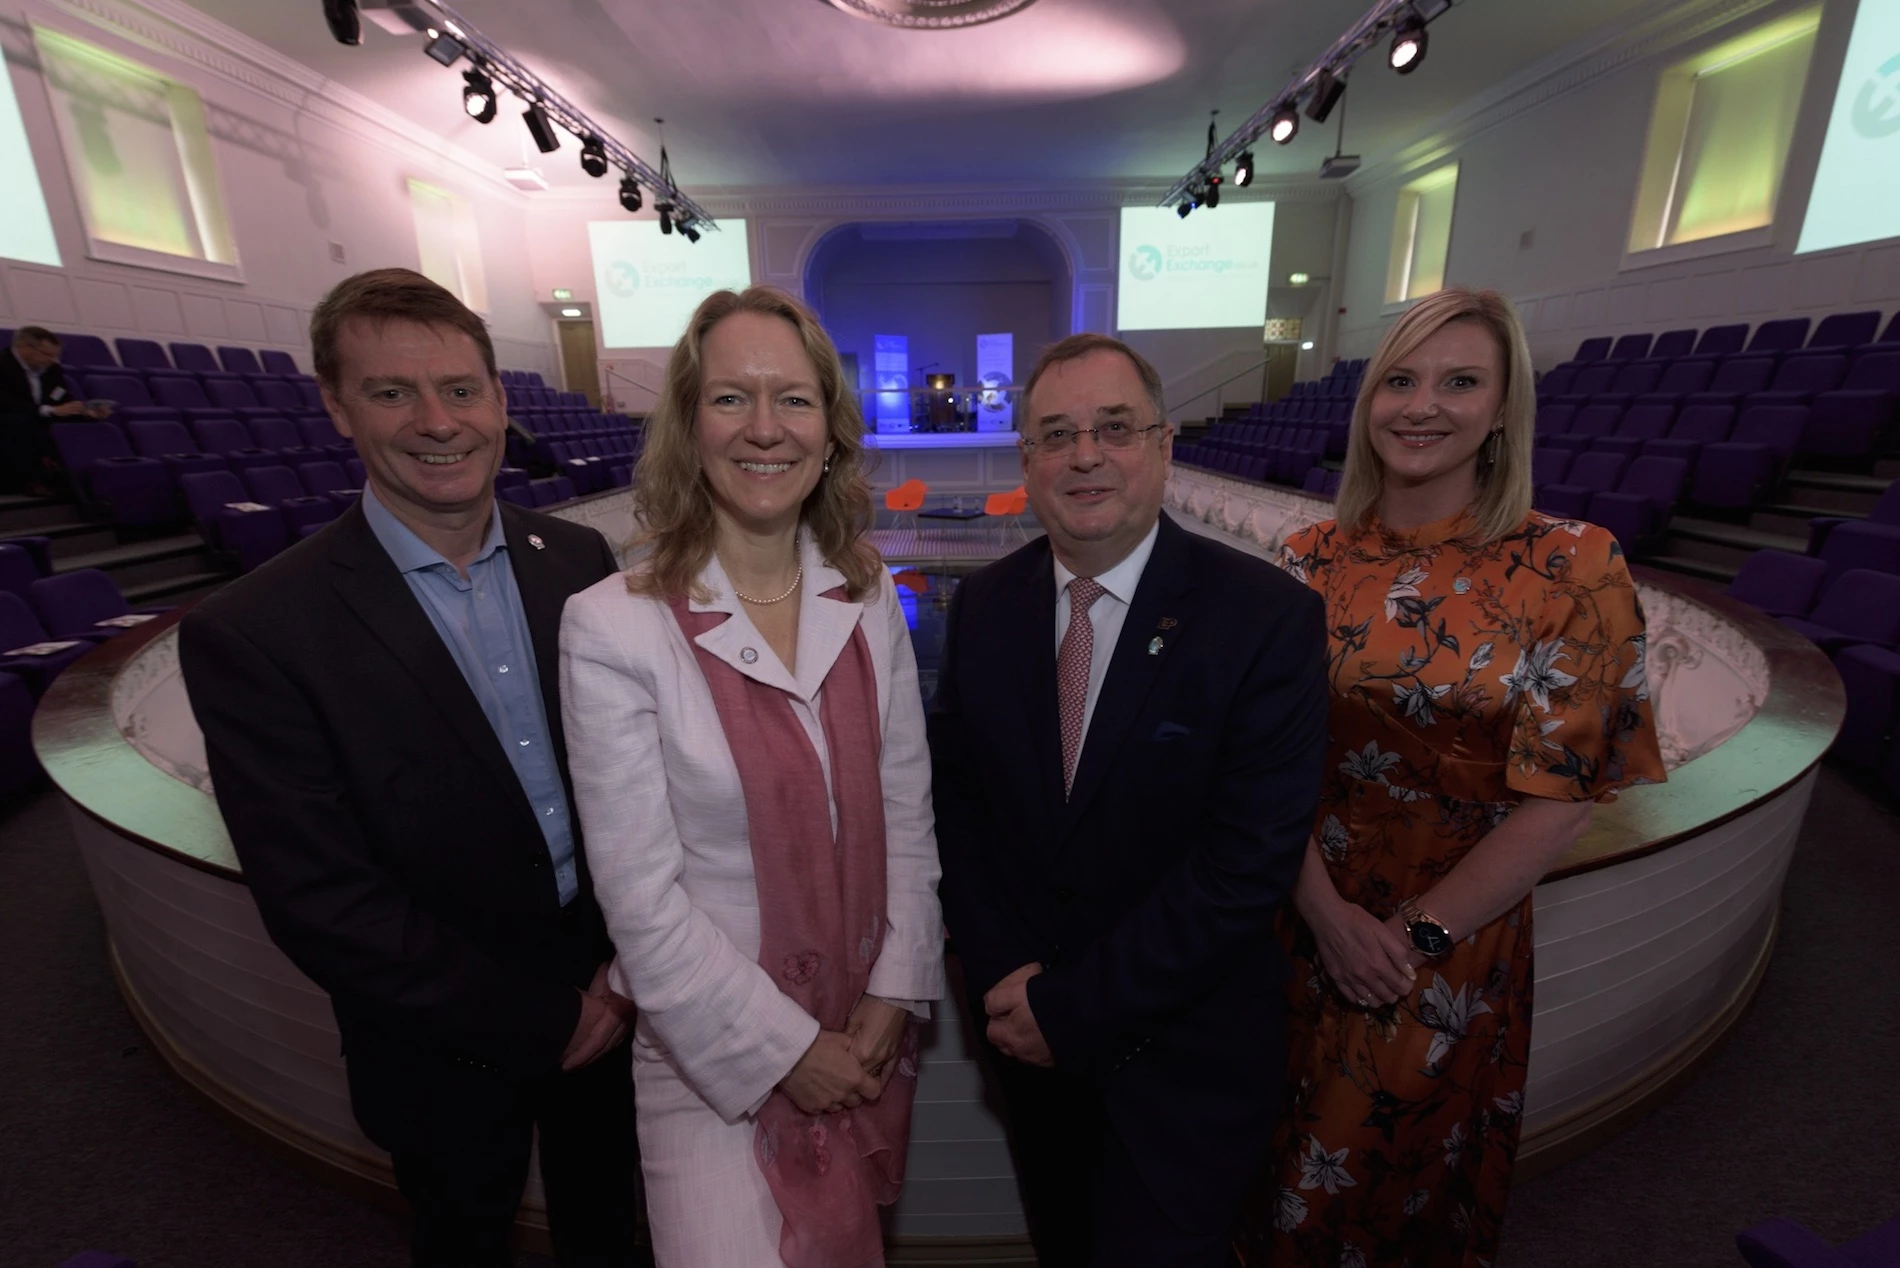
1368 960
844 1069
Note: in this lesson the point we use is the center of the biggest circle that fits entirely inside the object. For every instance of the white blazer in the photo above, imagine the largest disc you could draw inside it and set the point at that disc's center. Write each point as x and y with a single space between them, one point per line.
664 820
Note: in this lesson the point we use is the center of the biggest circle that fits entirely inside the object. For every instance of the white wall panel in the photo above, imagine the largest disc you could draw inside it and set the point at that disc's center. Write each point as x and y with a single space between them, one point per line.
102 304
244 320
156 313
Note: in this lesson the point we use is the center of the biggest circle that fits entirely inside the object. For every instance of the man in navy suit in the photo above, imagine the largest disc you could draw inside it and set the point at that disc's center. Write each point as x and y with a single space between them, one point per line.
1127 738
34 393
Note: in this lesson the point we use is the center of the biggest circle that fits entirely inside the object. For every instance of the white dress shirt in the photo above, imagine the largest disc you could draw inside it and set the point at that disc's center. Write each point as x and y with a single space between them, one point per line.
1106 616
33 383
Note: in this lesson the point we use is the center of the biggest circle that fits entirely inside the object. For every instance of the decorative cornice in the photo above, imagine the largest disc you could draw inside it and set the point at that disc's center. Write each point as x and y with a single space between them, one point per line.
1645 34
175 29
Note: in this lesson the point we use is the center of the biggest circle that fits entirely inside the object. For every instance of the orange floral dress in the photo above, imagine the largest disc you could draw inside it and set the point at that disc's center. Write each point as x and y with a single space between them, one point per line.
1464 679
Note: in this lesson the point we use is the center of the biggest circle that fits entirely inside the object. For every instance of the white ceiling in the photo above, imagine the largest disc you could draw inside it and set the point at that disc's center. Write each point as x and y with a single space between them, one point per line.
773 93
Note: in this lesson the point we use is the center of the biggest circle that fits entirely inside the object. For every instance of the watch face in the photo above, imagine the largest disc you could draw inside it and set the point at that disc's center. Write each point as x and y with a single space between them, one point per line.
1430 938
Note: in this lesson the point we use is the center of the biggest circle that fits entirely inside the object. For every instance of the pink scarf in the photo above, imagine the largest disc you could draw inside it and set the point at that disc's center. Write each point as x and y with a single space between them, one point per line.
821 924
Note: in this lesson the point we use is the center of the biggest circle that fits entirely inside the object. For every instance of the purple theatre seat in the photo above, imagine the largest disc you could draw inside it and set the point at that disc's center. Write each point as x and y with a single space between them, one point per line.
312 395
142 354
1722 341
279 395
1631 348
1861 415
1636 378
542 492
1671 344
1314 480
236 396
1556 382
1640 425
1886 510
358 475
84 351
18 765
1592 379
1858 606
1875 546
194 357
1802 377
17 570
1871 676
1679 380
1784 335
1549 465
1553 419
1590 474
1737 377
325 477
1785 1244
185 394
520 496
279 363
1696 426
1593 349
1591 422
251 536
1842 331
41 548
239 361
280 487
282 437
318 433
105 472
131 401
1746 467
172 445
99 1259
232 440
20 629
1637 511
81 603
1779 582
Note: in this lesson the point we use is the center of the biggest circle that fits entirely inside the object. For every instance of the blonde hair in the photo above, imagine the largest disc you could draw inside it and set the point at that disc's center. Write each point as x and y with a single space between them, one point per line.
1504 489
671 497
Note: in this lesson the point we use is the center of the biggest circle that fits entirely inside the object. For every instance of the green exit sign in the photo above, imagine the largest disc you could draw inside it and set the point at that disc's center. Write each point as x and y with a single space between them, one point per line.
562 292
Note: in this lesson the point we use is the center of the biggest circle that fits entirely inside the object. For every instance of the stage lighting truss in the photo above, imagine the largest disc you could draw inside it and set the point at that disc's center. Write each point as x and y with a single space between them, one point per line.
1408 46
493 69
1319 86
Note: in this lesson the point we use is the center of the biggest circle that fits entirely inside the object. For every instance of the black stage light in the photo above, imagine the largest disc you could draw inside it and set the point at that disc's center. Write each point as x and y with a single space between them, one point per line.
478 98
1285 125
1186 205
1243 169
1211 195
541 128
1327 88
445 48
666 216
630 194
1408 46
345 22
593 157
692 234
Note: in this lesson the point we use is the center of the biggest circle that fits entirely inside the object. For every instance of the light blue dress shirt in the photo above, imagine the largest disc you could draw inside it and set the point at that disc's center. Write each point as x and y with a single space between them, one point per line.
482 623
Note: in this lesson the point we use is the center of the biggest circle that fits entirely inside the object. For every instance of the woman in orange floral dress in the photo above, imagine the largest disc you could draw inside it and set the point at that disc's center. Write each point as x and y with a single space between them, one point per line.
1487 671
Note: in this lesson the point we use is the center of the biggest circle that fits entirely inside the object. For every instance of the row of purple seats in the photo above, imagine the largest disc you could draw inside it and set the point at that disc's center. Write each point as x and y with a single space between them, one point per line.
81 351
183 396
251 517
1838 332
82 608
1288 451
1886 511
1633 499
521 378
1737 463
1321 482
19 766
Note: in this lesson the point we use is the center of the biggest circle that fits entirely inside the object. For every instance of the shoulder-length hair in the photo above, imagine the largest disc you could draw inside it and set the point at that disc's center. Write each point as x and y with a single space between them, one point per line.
1504 488
671 497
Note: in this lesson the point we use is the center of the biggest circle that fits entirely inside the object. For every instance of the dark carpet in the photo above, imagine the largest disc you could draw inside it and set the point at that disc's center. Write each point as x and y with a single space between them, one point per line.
1796 1114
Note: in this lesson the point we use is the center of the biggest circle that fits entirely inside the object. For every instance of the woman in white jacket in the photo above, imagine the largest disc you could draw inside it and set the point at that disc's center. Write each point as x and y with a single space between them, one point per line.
746 740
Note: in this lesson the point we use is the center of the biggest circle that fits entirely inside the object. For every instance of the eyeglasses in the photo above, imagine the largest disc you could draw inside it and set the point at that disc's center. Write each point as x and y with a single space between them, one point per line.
1113 435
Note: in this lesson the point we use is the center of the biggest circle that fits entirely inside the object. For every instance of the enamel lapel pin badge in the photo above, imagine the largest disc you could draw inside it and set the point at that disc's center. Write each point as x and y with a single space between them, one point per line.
1157 643
534 540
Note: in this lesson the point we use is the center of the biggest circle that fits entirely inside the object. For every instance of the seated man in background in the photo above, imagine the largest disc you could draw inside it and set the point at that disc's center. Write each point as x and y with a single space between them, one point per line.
380 711
34 392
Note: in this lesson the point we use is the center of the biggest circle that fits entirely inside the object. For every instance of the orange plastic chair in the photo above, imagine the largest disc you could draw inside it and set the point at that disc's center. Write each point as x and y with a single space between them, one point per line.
1006 510
905 501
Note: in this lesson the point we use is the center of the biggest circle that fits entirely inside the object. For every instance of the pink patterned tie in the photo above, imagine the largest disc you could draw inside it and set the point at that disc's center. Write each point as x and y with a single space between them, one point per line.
1072 671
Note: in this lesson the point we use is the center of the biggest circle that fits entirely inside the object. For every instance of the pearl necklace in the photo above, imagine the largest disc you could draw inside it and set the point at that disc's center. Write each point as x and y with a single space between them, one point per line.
789 591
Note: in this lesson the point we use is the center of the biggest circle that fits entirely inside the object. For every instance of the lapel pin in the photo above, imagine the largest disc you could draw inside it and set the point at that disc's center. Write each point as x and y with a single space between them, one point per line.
749 656
534 540
1155 645
1166 623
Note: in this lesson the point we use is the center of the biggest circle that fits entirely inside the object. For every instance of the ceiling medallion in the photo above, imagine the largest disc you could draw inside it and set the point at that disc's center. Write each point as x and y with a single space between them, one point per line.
931 15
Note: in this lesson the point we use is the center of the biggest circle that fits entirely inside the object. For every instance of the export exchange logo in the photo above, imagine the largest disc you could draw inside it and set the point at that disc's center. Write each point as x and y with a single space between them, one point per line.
1144 263
1876 112
623 279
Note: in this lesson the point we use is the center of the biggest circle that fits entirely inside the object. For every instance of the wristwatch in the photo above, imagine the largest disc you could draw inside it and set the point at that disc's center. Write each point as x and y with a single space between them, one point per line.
1427 934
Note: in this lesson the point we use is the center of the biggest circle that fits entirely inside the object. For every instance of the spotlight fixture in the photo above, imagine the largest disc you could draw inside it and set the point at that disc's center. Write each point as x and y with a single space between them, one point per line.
541 128
1408 45
1187 205
478 98
593 157
1243 169
630 194
1211 195
346 24
445 48
692 234
1327 89
666 216
1285 125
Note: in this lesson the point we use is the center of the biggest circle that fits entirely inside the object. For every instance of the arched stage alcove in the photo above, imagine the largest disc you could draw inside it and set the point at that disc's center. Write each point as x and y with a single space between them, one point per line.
1652 934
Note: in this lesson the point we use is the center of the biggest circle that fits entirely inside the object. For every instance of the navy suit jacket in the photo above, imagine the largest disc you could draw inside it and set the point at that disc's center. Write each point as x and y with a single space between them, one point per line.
1150 893
16 394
